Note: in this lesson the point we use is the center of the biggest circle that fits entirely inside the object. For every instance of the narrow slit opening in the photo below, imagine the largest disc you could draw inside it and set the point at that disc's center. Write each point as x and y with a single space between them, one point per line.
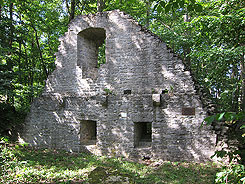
101 55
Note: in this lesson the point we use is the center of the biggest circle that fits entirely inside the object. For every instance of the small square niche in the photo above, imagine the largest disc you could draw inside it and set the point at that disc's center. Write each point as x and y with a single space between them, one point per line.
127 92
88 132
188 111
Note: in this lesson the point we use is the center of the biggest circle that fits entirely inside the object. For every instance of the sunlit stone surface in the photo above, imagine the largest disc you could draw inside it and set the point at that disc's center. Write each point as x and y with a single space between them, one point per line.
130 106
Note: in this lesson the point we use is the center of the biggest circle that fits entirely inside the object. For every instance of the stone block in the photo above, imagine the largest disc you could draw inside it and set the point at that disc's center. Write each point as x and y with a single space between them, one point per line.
156 98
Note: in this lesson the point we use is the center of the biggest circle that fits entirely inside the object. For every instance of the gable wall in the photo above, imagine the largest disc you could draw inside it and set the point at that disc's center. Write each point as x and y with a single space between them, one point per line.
136 60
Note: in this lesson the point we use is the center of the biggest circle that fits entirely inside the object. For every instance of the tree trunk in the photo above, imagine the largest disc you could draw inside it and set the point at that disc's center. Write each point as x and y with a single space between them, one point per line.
73 5
26 82
187 48
19 61
100 5
10 98
242 65
11 26
147 13
68 9
40 53
20 52
71 10
235 93
0 12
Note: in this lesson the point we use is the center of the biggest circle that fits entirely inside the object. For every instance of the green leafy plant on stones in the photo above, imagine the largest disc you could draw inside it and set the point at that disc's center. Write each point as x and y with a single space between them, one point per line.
153 91
234 172
108 91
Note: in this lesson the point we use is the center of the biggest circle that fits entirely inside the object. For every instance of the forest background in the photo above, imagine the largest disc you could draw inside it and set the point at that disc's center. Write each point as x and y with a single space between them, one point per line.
207 34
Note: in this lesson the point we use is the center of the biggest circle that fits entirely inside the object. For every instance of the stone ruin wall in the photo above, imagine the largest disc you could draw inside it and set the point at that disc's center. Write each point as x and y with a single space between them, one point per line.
141 102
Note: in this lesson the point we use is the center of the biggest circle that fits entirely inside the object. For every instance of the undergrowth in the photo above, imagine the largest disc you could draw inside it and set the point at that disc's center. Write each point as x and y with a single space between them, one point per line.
20 164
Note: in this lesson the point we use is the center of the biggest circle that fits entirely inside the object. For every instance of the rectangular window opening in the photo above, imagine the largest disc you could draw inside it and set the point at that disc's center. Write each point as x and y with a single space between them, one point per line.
142 134
127 92
88 132
101 55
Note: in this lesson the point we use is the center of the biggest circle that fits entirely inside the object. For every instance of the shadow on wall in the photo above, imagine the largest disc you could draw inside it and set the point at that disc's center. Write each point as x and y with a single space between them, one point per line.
77 121
182 137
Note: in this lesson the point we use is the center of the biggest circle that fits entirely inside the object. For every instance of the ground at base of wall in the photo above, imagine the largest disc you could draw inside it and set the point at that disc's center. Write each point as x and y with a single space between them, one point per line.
27 165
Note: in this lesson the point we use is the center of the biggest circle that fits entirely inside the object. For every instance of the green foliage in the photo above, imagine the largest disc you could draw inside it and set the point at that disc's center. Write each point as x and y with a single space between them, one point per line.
26 165
29 32
233 174
9 118
136 8
164 6
229 117
108 91
210 43
101 55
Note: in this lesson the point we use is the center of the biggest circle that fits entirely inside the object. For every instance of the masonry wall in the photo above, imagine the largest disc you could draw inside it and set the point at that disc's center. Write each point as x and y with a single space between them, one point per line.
140 82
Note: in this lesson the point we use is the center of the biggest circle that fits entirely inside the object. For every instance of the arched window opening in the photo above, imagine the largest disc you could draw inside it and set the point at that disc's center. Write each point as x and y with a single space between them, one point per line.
91 51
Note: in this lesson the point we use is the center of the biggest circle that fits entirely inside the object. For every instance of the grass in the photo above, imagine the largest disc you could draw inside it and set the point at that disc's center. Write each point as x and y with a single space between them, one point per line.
26 165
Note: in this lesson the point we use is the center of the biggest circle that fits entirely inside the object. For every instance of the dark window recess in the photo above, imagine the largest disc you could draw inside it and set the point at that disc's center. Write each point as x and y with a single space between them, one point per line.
165 91
188 111
127 92
142 134
88 132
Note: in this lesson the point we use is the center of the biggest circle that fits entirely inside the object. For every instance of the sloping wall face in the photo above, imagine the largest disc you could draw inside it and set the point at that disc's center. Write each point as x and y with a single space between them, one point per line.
141 102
